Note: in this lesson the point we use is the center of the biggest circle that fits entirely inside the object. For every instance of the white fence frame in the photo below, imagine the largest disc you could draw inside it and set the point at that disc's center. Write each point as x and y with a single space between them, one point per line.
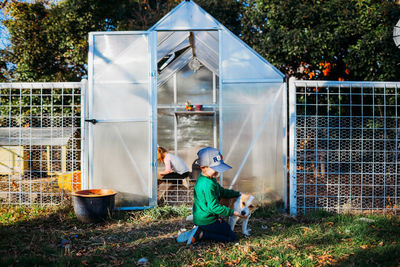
40 122
378 189
348 165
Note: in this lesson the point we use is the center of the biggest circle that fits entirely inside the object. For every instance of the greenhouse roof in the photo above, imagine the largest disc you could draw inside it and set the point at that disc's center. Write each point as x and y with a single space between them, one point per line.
187 15
189 20
206 50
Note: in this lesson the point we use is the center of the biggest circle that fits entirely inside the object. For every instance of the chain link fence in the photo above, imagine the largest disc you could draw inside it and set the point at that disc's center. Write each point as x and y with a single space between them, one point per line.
40 142
344 146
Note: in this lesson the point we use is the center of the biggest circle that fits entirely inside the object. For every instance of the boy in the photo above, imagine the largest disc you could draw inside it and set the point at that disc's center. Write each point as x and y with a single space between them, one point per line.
206 207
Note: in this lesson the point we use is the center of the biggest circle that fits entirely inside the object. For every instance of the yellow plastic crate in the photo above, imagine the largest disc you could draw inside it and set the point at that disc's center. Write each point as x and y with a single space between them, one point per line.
70 181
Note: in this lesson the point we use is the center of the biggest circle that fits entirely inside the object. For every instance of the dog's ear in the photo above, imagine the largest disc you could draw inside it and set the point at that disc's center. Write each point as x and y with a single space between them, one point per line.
255 204
243 199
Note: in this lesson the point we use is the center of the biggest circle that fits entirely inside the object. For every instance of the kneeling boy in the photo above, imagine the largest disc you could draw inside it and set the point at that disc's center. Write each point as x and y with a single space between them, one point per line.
207 211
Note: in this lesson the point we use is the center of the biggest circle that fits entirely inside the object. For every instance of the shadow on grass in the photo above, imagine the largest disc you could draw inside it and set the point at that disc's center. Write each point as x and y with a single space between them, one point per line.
129 236
377 256
125 238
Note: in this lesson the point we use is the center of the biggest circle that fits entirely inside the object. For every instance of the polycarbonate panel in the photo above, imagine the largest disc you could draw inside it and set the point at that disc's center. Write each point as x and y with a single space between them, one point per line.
207 57
162 36
195 86
253 137
209 38
205 43
166 93
165 128
174 66
108 104
169 42
195 130
121 57
192 130
121 159
239 62
186 15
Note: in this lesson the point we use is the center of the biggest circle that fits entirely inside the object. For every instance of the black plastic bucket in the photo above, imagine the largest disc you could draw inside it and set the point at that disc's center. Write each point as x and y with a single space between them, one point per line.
93 205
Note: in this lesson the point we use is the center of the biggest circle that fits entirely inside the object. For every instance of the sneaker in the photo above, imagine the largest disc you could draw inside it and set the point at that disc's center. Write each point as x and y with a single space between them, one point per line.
183 237
193 237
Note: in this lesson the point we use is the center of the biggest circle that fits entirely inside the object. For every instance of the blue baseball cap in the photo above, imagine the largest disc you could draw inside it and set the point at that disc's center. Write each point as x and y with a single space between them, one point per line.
210 157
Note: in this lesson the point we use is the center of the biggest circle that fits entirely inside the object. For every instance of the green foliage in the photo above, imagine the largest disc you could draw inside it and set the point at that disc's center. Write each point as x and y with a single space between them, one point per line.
309 39
5 69
49 42
330 40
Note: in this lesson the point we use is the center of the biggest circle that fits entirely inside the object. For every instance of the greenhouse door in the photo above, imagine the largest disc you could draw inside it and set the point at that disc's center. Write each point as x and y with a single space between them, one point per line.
121 131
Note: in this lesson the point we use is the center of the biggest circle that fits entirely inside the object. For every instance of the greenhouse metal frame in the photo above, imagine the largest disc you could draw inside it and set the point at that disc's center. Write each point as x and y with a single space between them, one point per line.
249 106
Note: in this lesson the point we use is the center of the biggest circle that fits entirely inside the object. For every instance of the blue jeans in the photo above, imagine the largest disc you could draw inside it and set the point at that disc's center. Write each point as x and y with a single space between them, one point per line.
218 231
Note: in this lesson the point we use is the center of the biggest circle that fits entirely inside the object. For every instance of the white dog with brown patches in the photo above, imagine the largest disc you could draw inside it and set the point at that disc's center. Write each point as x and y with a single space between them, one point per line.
245 204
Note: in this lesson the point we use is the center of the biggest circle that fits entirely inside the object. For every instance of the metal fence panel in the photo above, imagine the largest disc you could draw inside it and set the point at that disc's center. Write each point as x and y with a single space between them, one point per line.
344 142
40 142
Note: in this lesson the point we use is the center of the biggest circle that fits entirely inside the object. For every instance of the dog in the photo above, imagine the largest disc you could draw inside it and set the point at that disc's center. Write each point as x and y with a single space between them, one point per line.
245 204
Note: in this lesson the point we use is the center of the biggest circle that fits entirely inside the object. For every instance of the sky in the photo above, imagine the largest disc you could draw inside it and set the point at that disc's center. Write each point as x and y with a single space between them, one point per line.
3 32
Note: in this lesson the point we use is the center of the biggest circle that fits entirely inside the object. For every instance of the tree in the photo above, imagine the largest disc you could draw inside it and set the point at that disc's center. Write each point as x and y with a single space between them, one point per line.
5 71
49 41
329 40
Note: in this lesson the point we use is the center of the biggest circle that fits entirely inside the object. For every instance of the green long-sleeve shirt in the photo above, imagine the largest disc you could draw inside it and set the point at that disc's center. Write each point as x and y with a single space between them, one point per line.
206 207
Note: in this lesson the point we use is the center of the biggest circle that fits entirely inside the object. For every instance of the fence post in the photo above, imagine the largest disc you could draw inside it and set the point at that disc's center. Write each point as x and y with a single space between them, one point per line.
84 169
292 146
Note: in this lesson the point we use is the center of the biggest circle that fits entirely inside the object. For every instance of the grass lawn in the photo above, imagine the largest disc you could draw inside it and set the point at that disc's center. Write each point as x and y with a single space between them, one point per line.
33 236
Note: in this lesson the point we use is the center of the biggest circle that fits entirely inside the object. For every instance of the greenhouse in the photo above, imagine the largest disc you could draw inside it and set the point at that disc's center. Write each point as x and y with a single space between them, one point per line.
139 85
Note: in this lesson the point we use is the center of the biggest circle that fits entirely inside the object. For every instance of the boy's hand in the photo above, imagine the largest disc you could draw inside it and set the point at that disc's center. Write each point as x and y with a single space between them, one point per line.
239 215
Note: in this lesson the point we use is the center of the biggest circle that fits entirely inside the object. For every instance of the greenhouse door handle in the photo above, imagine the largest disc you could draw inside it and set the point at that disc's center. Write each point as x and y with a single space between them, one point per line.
92 121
